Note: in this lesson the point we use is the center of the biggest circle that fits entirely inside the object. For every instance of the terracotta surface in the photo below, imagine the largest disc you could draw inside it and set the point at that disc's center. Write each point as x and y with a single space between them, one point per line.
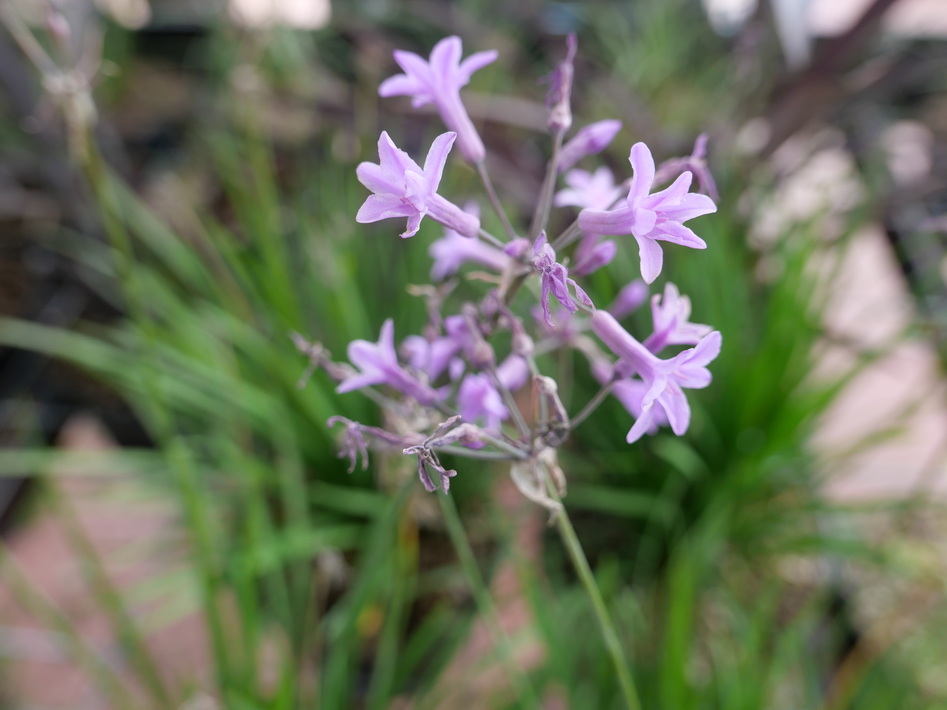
134 532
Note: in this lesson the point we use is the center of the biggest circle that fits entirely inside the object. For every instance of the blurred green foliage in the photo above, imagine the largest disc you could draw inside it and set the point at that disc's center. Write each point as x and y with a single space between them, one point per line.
686 535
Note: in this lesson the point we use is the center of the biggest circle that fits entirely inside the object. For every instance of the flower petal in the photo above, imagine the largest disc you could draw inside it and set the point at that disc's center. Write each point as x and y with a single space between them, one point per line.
386 342
403 85
691 205
437 158
383 206
414 223
643 424
643 165
362 379
652 259
473 63
677 233
445 57
378 207
365 355
392 158
377 179
675 405
670 196
415 66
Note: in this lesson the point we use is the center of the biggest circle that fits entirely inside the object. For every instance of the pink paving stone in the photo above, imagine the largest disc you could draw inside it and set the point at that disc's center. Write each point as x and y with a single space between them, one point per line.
133 528
869 309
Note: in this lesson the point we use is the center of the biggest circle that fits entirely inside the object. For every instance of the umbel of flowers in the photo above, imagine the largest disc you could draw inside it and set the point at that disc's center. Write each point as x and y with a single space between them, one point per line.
452 389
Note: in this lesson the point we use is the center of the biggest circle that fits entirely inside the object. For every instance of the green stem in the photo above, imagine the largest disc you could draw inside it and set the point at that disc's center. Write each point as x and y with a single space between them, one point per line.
571 233
605 623
490 239
495 200
521 426
468 563
474 453
592 404
543 207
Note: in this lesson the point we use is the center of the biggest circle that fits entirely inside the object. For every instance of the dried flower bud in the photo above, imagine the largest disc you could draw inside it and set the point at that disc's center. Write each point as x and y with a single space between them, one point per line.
559 96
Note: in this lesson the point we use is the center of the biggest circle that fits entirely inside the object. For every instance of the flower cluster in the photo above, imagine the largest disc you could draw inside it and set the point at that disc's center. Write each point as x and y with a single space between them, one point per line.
455 388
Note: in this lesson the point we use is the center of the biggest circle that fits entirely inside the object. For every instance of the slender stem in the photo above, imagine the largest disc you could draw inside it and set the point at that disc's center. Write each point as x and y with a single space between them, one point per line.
516 453
592 404
541 216
510 402
27 42
473 453
495 200
490 239
605 623
569 235
468 563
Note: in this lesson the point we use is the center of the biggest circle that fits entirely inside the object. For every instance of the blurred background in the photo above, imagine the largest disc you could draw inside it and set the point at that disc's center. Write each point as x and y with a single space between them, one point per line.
177 195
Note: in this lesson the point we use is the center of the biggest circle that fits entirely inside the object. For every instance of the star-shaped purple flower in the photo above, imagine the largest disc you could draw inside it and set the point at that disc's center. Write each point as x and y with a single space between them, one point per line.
651 218
671 314
403 189
438 81
378 365
453 249
596 191
664 380
479 402
630 392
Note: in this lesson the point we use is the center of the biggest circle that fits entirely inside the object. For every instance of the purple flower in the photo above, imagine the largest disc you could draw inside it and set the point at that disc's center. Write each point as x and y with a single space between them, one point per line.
555 280
459 331
439 81
671 325
453 249
664 380
592 254
402 189
630 392
431 357
629 299
378 365
354 445
513 372
650 218
596 191
427 462
588 141
446 434
478 401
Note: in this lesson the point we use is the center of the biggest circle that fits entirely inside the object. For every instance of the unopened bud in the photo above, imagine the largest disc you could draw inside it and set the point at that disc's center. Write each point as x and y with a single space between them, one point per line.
559 97
521 343
588 141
